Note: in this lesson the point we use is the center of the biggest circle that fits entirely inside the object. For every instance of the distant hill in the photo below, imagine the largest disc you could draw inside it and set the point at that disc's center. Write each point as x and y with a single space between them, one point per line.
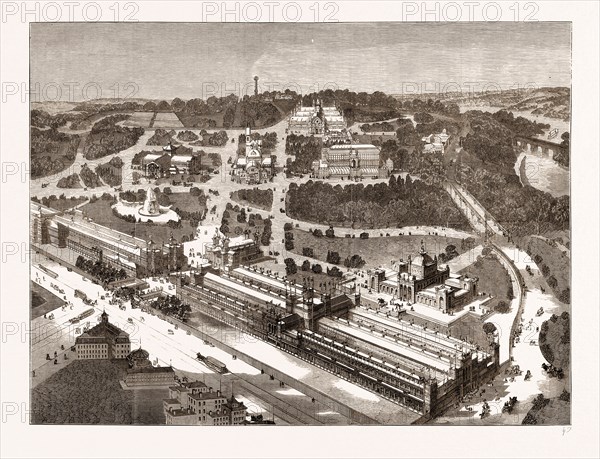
549 102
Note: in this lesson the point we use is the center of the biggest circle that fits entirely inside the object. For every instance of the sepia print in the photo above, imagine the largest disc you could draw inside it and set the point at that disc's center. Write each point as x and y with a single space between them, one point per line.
298 224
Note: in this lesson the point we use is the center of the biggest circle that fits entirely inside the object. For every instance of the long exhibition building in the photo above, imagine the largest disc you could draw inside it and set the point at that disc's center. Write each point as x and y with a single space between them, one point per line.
420 369
78 235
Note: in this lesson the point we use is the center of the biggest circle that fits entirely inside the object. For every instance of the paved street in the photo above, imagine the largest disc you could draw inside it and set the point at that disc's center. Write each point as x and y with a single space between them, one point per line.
178 350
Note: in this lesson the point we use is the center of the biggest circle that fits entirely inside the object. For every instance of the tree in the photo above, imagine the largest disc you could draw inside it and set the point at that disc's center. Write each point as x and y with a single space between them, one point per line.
333 257
308 252
555 340
489 328
317 269
305 265
335 272
330 232
149 107
354 262
177 104
290 266
502 307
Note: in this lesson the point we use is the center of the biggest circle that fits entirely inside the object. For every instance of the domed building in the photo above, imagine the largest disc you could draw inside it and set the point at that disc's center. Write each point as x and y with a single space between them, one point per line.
140 358
141 372
421 280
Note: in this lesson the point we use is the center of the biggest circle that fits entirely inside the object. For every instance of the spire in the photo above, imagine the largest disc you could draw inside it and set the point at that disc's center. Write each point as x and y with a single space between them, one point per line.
423 251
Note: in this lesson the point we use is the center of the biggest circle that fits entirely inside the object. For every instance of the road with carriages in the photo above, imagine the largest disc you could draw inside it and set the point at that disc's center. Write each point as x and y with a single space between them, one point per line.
167 345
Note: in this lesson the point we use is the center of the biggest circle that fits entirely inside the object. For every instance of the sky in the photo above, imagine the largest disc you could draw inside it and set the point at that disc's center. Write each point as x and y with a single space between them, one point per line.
79 61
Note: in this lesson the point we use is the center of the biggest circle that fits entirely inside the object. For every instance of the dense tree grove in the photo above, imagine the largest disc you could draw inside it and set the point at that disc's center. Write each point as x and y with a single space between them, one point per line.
172 306
51 151
215 139
107 137
256 112
254 197
161 137
378 127
305 150
431 106
89 177
521 209
99 270
555 340
355 261
399 203
71 181
111 172
390 149
187 136
423 117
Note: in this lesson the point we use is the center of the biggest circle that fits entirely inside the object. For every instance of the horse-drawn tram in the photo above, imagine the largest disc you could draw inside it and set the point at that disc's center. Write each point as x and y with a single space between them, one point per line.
212 363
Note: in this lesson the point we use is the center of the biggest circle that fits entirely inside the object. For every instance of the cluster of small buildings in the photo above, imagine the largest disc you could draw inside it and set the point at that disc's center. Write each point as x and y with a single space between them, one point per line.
167 163
194 403
75 232
435 143
352 162
317 119
251 165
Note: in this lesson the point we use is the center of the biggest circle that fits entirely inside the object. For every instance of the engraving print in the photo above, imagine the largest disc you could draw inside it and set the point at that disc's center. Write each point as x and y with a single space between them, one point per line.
300 224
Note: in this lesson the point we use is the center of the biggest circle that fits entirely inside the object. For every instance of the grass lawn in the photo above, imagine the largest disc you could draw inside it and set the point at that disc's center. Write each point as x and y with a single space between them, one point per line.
376 251
100 211
42 301
88 392
237 228
493 278
186 201
64 204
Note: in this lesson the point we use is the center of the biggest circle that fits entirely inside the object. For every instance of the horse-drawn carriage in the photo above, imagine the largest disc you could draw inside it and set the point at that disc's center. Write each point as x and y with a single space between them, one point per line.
509 405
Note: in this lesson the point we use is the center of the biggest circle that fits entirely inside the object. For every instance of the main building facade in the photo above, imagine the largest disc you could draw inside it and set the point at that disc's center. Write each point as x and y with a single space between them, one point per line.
352 162
316 119
418 368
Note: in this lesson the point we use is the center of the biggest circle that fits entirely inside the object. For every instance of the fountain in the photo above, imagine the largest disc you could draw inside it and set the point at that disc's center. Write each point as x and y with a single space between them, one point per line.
150 207
150 210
